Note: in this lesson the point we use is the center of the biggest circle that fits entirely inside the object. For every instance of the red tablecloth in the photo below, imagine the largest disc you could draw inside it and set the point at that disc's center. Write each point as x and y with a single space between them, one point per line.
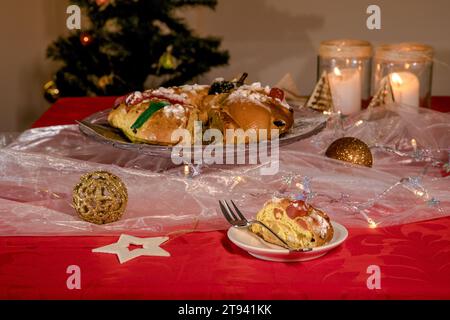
414 259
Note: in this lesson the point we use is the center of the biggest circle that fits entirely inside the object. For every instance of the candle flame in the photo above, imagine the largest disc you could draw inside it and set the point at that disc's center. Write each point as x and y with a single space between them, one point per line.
337 72
397 79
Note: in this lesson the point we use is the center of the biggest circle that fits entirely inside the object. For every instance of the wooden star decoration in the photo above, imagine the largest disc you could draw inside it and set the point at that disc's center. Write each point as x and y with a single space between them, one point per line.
150 247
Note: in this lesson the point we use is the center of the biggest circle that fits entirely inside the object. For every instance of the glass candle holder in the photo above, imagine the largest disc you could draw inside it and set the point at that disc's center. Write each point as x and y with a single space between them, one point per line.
348 65
409 68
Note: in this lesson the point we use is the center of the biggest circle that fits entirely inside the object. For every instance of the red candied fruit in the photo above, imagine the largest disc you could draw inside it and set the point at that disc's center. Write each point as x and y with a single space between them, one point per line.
277 93
297 209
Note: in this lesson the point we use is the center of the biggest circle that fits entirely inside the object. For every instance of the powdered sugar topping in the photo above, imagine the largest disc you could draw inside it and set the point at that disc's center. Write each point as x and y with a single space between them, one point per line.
134 98
174 110
256 93
251 92
168 93
322 224
193 87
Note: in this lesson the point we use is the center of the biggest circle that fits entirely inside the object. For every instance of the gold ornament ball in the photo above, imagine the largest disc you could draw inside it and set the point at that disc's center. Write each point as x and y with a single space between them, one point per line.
51 92
167 60
100 197
350 150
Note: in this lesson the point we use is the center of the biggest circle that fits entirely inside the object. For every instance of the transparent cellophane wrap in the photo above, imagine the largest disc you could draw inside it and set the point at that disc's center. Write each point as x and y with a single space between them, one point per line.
40 168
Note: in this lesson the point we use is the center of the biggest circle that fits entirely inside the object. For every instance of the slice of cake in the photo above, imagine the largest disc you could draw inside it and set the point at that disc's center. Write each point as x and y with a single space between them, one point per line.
153 120
296 222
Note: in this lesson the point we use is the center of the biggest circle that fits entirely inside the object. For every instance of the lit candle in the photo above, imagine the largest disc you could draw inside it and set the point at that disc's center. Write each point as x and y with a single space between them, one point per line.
346 90
406 88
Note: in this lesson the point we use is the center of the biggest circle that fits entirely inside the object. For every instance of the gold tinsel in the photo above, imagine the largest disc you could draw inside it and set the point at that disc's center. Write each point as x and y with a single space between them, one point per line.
350 150
100 197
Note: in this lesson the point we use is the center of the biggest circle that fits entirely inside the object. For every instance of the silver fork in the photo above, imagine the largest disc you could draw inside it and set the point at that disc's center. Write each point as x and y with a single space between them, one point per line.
237 219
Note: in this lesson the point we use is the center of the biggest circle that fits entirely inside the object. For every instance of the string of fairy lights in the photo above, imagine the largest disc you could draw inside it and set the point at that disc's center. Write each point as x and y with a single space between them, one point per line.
412 183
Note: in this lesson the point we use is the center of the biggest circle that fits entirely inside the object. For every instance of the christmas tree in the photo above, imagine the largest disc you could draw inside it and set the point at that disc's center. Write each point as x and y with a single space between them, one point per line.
126 42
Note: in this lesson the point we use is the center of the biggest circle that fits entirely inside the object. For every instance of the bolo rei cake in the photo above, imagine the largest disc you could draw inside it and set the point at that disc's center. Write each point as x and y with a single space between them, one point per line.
151 116
296 222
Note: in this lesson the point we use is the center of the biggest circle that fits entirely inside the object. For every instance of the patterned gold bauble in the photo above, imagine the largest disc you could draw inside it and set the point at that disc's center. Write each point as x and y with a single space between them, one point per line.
350 150
100 197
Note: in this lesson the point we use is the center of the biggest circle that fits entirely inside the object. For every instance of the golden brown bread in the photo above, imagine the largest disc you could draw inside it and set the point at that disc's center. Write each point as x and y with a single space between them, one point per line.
247 107
157 129
252 107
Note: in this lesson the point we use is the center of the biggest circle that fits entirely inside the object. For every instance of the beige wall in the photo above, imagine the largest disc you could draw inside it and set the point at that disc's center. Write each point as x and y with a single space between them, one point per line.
266 38
26 28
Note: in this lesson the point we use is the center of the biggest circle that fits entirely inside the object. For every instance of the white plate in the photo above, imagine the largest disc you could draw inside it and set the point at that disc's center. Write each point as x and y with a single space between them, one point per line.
257 247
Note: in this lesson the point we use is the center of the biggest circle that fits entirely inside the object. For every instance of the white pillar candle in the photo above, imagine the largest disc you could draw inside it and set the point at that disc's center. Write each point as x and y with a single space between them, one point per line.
346 90
406 88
